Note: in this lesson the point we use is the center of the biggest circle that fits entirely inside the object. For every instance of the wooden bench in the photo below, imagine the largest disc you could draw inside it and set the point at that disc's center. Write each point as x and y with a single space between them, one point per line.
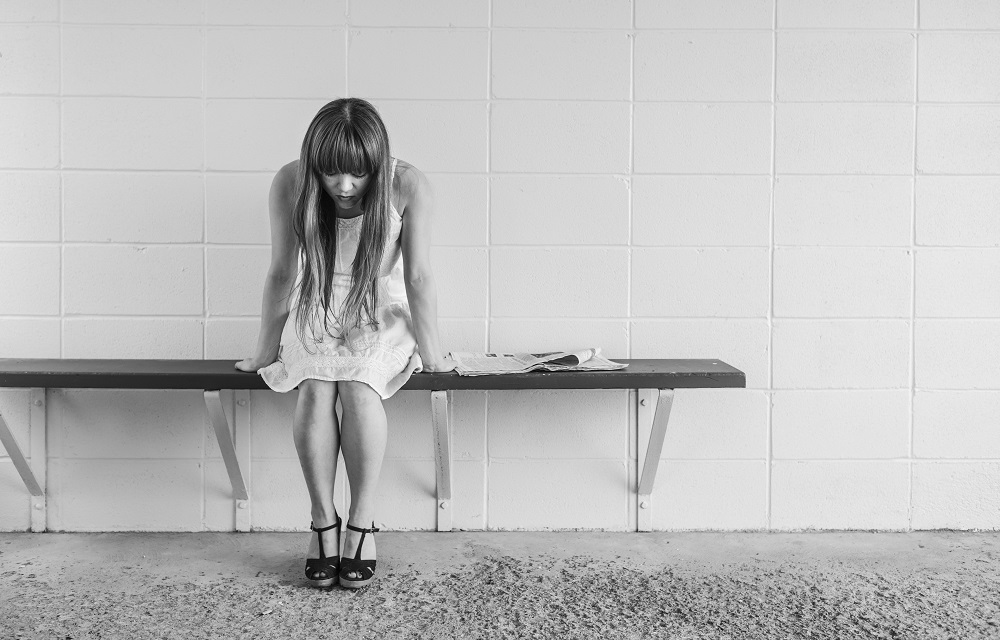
652 380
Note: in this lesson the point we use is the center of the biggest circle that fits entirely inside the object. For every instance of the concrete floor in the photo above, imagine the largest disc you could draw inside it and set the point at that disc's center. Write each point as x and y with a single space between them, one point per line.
486 584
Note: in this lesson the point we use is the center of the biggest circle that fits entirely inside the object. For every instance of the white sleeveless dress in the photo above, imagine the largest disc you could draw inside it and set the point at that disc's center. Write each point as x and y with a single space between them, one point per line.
383 357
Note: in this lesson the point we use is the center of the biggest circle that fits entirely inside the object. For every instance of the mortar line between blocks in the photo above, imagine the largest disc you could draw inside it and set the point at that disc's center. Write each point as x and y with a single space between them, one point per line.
347 47
204 184
913 270
489 253
630 182
770 267
62 199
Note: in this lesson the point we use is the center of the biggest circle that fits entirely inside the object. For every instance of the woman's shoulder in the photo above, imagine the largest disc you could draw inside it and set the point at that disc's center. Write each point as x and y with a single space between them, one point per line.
407 182
284 179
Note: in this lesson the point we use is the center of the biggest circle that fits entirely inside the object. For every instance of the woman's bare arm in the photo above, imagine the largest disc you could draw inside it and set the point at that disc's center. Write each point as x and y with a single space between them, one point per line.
281 273
421 293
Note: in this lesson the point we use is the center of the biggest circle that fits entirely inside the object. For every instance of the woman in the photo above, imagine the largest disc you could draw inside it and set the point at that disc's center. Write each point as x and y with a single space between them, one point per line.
350 261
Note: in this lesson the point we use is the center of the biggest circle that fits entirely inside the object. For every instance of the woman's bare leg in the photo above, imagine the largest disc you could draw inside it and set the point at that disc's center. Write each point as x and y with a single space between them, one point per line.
317 441
363 436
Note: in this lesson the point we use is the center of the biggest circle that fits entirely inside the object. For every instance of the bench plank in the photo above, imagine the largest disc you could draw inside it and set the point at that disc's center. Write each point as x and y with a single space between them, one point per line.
221 374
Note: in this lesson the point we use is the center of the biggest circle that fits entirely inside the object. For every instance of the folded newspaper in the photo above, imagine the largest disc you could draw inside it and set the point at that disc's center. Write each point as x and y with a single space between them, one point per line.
484 364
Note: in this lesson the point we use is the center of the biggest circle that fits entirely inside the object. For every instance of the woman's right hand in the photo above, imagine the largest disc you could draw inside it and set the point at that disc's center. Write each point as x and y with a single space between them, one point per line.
252 365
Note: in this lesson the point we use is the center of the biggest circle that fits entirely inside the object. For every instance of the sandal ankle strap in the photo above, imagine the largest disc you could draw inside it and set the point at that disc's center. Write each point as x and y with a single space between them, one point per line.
374 529
322 529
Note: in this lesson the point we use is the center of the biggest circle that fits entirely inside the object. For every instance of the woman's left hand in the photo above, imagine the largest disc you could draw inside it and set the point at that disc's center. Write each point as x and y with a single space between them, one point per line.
440 366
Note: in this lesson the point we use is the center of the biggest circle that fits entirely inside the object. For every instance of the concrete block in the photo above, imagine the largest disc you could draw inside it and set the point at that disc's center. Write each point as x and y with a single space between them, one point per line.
147 424
958 67
236 279
161 280
710 494
710 14
557 494
511 335
460 274
564 65
255 135
30 338
577 282
730 66
128 12
268 63
29 133
701 210
843 210
844 354
702 138
31 59
957 283
29 206
855 494
716 423
561 137
166 338
406 495
430 13
469 493
468 425
563 14
438 136
125 495
956 495
132 133
236 206
700 282
279 500
959 14
460 206
234 338
417 63
957 211
956 424
462 335
30 285
555 425
558 210
840 424
30 11
15 505
851 282
741 343
958 139
849 14
956 354
408 414
132 61
271 417
844 138
845 67
276 12
16 411
133 207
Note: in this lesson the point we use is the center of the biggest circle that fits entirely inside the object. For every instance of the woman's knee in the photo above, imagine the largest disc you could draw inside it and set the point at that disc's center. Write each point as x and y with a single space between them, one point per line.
358 395
317 392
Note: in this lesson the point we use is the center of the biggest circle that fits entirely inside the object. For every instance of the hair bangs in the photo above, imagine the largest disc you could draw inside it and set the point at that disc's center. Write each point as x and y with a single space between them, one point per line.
341 150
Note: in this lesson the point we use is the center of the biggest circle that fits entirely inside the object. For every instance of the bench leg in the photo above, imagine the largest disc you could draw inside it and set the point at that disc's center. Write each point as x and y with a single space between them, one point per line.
656 417
441 418
27 473
223 435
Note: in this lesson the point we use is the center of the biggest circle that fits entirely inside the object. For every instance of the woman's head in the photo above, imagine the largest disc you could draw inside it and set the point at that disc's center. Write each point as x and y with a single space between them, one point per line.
345 154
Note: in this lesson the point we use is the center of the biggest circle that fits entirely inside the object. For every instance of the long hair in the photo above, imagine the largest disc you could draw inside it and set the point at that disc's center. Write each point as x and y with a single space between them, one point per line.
345 136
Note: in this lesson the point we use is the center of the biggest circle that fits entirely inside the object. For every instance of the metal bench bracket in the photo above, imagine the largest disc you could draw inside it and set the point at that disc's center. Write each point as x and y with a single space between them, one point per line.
654 412
31 472
441 419
223 435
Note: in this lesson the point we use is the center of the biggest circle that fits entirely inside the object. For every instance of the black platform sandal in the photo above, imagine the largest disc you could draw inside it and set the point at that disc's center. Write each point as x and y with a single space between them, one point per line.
323 570
366 568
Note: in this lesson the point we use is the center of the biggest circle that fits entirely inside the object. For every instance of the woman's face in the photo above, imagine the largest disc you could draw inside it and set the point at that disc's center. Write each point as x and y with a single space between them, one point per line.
346 189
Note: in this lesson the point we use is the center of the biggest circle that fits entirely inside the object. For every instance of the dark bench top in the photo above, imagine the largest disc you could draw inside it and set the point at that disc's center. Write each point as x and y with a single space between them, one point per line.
222 374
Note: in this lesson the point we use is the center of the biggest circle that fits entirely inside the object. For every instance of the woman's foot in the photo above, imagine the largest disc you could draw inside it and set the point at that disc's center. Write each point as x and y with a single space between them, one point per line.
323 558
358 568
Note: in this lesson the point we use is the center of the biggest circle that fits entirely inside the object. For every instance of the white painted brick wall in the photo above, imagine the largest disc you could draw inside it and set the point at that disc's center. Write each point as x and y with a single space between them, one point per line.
806 189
